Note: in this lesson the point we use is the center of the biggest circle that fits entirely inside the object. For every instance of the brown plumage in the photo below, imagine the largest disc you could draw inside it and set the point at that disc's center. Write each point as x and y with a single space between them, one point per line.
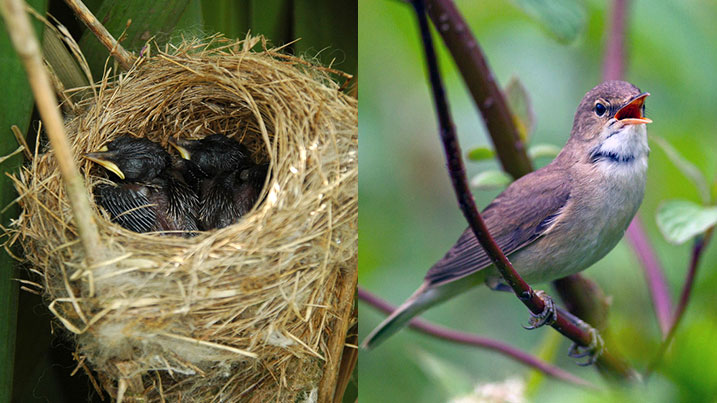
559 219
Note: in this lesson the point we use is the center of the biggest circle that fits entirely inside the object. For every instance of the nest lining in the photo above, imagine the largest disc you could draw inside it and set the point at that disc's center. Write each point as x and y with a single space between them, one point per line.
241 313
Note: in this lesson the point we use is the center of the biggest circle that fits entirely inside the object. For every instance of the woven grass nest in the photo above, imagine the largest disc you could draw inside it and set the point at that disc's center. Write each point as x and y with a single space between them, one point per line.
251 312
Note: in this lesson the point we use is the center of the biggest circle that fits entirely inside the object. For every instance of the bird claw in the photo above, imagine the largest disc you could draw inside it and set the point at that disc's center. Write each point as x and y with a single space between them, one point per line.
593 351
547 317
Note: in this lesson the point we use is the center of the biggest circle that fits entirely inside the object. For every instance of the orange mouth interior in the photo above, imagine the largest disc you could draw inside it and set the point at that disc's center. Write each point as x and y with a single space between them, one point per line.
632 112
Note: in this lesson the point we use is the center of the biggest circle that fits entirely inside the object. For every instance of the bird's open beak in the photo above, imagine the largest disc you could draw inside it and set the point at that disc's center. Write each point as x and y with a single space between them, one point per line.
631 114
101 158
183 152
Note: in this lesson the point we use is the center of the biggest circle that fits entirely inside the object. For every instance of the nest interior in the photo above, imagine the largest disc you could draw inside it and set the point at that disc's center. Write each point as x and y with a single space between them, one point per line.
242 313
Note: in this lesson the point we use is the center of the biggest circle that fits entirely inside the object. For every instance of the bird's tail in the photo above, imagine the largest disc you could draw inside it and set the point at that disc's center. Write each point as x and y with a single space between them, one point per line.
425 297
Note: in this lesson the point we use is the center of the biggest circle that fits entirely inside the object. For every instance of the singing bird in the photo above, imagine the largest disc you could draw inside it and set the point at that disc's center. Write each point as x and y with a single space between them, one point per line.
557 220
148 194
227 180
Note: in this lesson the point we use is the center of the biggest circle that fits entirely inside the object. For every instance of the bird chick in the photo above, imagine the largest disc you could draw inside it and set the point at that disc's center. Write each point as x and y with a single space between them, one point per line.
230 195
148 194
227 180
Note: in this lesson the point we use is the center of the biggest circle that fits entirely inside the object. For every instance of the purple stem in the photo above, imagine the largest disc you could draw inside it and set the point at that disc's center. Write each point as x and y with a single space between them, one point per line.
654 274
477 341
614 66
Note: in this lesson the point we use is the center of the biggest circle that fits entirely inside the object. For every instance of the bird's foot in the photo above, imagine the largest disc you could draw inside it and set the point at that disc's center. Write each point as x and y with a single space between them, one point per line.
592 351
547 317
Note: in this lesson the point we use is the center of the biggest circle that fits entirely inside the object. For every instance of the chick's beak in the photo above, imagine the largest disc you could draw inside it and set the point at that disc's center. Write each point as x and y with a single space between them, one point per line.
183 152
103 158
631 113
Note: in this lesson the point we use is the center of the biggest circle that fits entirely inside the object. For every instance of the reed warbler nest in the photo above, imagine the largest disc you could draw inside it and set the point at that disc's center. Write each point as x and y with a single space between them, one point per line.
250 312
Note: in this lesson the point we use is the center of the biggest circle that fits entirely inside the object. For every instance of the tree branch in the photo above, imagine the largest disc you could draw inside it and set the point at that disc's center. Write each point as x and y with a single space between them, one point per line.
477 341
467 205
482 85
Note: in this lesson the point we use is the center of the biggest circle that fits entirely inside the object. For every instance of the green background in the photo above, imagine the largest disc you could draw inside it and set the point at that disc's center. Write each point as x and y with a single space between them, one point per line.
409 217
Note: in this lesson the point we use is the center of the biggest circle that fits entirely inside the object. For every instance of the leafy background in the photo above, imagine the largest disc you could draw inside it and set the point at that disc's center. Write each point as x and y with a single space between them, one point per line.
35 365
409 217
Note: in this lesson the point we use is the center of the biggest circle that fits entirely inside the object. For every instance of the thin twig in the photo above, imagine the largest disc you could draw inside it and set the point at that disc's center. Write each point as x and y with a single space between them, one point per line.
614 69
697 252
477 341
124 58
28 48
465 199
482 85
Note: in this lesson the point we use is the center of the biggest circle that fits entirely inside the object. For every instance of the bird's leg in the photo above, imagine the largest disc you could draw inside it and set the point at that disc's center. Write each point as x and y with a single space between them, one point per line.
547 317
592 351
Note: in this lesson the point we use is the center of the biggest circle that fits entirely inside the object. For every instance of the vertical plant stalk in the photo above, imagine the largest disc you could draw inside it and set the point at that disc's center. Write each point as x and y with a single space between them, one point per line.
124 58
614 69
465 199
614 62
511 352
337 339
481 83
28 48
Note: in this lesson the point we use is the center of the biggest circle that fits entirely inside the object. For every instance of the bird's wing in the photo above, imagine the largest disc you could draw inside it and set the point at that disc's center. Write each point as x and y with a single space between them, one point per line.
517 217
183 201
128 207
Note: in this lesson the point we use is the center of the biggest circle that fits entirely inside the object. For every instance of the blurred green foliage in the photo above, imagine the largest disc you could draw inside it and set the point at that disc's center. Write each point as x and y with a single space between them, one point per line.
409 217
17 112
328 32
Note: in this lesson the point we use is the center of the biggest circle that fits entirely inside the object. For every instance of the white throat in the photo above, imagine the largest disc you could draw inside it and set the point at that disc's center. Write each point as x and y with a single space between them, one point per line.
621 145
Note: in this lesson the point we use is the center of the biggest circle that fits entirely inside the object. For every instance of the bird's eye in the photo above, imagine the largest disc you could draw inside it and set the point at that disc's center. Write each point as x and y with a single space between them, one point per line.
600 109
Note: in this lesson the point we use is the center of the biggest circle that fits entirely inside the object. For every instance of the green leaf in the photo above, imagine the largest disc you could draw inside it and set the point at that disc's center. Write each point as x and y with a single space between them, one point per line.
543 151
156 18
229 17
521 108
686 167
62 63
16 109
564 19
273 19
455 382
680 220
481 154
492 179
328 30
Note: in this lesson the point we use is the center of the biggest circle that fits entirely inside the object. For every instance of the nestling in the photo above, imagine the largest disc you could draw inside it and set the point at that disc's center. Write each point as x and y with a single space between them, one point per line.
148 195
557 220
227 180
